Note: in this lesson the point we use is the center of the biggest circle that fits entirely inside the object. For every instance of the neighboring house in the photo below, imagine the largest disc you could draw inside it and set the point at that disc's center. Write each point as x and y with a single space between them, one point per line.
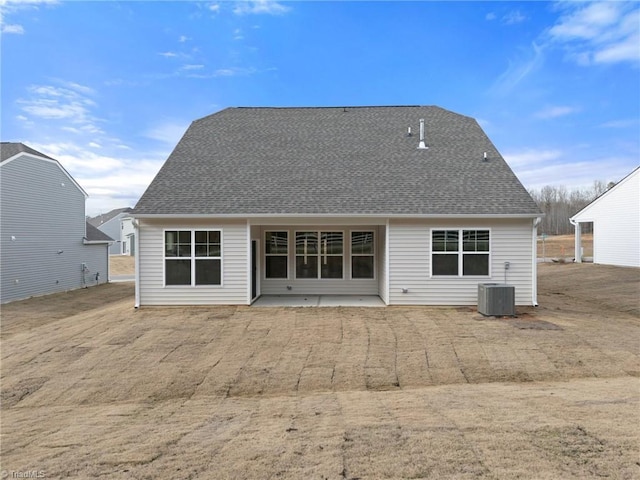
46 245
279 201
117 224
616 224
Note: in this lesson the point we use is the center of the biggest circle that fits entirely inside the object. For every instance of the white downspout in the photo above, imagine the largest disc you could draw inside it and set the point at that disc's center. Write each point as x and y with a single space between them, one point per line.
136 233
534 266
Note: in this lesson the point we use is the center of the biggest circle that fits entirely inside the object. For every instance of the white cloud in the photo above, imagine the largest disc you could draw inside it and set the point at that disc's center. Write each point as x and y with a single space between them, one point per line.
192 67
605 32
237 34
53 103
234 71
111 180
15 29
168 132
268 7
77 158
530 157
490 16
518 70
513 17
214 7
537 168
555 112
625 123
168 54
183 38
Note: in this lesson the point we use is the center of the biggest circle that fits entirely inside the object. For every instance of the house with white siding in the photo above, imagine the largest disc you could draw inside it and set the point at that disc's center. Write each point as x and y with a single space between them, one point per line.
413 204
616 224
117 224
46 245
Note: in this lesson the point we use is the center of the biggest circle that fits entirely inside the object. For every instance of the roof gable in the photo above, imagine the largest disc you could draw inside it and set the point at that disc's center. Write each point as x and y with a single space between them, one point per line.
633 176
335 161
10 152
96 236
104 218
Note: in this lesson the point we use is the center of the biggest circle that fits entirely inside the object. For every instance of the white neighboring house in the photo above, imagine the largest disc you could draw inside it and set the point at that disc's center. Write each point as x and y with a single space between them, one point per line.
128 236
616 224
46 245
412 204
117 224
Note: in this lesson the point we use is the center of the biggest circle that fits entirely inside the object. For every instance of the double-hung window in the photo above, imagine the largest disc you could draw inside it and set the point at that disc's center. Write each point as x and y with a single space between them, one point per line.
193 257
319 254
362 255
276 253
460 252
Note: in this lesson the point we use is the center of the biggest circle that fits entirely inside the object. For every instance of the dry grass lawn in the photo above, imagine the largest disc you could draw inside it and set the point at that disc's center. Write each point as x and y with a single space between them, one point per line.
93 388
121 265
563 246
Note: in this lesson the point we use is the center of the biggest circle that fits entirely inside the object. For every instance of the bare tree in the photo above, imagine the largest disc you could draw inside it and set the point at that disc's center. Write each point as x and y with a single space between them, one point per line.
559 204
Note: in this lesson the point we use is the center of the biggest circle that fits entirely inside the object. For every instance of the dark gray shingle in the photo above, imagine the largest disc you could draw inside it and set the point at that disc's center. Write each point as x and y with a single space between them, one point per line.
354 160
105 217
95 235
9 149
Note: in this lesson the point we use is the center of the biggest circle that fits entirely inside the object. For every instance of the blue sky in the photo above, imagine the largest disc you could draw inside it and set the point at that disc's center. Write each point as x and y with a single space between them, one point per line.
108 88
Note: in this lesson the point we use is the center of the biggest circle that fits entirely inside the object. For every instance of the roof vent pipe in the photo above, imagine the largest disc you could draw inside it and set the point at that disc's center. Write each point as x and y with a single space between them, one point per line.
485 156
422 144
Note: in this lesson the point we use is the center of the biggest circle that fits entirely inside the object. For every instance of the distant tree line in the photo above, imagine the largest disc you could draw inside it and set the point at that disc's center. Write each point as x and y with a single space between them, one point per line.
559 204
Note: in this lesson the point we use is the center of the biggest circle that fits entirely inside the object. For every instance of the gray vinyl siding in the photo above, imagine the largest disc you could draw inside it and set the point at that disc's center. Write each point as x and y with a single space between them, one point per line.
234 288
344 286
44 211
114 230
410 259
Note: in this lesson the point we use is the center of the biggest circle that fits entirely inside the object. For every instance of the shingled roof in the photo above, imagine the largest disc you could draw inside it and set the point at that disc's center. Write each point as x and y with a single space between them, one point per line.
95 235
335 161
9 149
105 217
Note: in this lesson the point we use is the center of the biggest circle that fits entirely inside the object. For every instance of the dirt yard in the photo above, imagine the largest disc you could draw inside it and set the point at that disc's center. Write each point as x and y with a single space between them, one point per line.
92 387
121 265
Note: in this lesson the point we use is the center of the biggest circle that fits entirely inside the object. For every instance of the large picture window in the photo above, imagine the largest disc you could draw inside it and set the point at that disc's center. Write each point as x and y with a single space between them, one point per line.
193 257
319 254
460 252
276 253
362 255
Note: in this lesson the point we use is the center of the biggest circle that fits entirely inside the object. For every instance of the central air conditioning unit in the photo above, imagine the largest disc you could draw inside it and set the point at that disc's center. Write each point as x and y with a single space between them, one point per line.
496 299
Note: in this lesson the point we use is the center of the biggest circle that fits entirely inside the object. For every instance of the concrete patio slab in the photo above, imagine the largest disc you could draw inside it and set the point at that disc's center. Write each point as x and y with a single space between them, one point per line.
318 301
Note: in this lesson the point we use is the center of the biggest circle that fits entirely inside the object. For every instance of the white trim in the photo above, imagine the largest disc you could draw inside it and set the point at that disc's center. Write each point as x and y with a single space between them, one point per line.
96 242
387 262
460 252
49 160
534 262
193 258
258 277
249 263
136 239
284 218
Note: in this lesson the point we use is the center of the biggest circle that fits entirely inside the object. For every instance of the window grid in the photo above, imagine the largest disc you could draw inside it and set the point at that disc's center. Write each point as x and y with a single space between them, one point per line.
460 252
276 254
193 258
319 255
362 255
